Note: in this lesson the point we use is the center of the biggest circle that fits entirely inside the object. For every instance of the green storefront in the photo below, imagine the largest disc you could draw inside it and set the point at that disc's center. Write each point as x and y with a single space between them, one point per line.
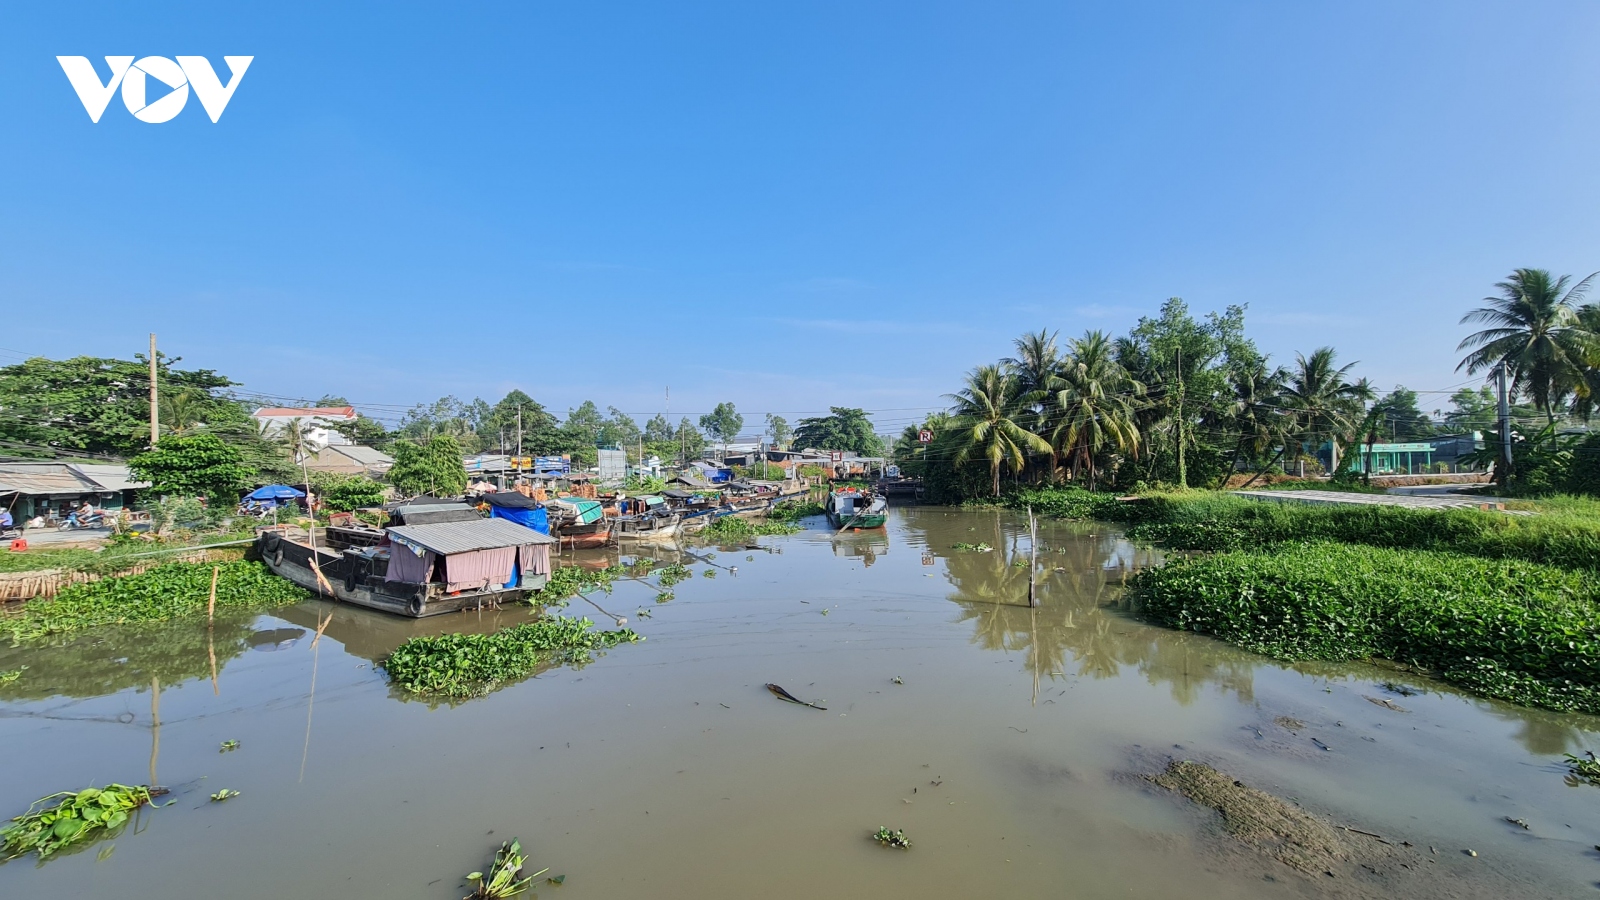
1397 459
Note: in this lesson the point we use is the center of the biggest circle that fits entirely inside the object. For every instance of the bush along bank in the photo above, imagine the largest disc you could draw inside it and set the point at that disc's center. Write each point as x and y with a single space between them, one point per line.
170 591
1221 522
1508 629
459 666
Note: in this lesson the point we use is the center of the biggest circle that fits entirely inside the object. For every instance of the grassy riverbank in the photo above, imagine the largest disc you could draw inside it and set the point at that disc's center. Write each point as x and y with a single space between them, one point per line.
1514 630
1562 534
171 591
1507 606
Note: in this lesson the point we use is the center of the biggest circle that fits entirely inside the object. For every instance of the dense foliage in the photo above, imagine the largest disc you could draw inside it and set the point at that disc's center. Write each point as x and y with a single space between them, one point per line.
1221 522
343 493
433 468
190 465
469 665
843 428
1507 629
731 528
165 592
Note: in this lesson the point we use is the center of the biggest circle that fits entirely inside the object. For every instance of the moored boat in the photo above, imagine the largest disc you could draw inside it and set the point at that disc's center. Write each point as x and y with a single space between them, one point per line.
856 508
414 569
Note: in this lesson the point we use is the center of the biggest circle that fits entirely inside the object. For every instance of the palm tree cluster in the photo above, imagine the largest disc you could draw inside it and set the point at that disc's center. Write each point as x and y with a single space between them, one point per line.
1545 337
1177 400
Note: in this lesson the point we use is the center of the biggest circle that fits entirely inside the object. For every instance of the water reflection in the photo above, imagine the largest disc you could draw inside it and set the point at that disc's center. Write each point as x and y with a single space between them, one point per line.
108 660
1082 625
864 545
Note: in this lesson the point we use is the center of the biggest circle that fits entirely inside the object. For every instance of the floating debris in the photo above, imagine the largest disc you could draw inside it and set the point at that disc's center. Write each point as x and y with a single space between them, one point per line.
896 839
782 694
222 795
976 548
1583 768
1386 704
229 746
1520 822
503 879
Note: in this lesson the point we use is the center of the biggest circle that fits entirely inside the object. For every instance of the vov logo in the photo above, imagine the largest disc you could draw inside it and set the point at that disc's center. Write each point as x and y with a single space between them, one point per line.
134 79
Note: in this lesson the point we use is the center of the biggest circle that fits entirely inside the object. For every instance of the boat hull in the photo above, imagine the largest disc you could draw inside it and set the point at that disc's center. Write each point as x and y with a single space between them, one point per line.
870 520
291 560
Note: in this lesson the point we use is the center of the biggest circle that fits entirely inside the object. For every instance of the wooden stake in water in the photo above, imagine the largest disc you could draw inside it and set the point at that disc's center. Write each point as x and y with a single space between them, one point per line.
211 605
1033 558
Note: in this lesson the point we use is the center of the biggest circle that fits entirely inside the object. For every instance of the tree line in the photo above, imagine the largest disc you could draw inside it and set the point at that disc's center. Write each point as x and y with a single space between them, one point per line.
1188 401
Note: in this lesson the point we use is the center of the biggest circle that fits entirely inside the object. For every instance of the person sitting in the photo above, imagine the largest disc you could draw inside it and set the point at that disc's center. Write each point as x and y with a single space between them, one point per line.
82 515
5 519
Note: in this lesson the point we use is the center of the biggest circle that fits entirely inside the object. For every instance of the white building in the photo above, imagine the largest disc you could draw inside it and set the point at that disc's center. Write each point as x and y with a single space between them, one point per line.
316 422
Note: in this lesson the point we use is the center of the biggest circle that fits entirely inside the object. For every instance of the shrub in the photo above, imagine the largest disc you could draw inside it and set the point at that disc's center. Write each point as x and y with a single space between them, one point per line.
1509 629
342 493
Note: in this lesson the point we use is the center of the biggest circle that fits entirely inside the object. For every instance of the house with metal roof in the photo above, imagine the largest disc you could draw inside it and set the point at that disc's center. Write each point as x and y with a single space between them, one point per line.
350 459
49 489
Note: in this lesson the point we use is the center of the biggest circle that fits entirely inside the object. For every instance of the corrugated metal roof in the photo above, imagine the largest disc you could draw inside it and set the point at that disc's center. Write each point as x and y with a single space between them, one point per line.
110 477
464 537
364 455
46 484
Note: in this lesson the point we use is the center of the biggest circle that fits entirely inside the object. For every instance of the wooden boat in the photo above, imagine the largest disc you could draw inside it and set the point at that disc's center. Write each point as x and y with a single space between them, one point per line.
646 518
578 523
414 569
856 508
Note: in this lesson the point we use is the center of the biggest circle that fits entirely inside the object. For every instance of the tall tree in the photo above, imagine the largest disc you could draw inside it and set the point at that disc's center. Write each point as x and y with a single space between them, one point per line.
1255 416
1399 418
435 467
1327 406
190 465
778 428
1093 400
990 413
691 443
94 404
1536 333
843 428
723 424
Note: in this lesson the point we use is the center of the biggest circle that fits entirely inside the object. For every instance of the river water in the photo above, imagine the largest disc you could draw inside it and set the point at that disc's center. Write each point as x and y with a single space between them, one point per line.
1008 750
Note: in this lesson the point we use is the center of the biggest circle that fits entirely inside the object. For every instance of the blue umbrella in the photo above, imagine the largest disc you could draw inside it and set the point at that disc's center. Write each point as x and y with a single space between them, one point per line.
276 492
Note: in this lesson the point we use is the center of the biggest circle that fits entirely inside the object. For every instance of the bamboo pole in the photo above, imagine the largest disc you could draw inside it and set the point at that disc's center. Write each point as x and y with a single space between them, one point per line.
211 605
1033 559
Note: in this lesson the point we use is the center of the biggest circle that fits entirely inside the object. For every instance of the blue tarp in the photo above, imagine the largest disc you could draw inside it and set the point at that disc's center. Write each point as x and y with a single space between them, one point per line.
537 519
713 474
276 492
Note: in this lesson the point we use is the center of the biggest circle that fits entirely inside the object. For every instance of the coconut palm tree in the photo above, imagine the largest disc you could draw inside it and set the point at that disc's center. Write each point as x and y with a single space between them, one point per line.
990 413
179 411
1094 401
1536 332
1036 367
1254 413
1323 400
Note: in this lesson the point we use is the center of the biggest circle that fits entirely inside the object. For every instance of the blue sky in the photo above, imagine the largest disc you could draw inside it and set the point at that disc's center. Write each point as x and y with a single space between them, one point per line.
789 206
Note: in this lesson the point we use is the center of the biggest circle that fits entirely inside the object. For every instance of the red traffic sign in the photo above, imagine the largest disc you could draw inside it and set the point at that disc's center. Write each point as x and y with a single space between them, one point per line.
925 436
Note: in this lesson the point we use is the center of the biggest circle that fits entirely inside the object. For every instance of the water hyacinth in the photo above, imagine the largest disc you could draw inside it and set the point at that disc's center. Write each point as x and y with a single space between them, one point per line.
470 665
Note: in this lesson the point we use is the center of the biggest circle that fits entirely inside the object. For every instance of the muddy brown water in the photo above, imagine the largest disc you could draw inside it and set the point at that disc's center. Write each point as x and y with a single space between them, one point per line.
1008 754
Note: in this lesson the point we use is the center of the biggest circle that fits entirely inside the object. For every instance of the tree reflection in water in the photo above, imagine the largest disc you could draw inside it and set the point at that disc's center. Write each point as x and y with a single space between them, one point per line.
1083 624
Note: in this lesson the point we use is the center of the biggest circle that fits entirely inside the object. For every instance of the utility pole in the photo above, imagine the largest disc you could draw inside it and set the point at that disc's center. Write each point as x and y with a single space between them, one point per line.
155 419
1183 468
519 437
1505 425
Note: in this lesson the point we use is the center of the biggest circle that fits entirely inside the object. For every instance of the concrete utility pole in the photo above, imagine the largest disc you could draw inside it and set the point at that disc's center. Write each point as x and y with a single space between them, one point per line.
155 419
1505 424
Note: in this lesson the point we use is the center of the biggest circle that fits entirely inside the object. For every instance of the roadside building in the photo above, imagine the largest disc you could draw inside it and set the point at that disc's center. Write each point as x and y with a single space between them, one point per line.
350 459
50 489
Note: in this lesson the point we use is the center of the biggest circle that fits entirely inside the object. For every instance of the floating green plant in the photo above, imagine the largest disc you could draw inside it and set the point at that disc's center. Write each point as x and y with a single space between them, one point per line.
75 817
223 794
229 746
505 877
978 548
470 665
1584 768
896 839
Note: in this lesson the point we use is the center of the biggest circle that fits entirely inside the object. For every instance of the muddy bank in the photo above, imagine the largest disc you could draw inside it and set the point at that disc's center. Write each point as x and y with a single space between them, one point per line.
1320 857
